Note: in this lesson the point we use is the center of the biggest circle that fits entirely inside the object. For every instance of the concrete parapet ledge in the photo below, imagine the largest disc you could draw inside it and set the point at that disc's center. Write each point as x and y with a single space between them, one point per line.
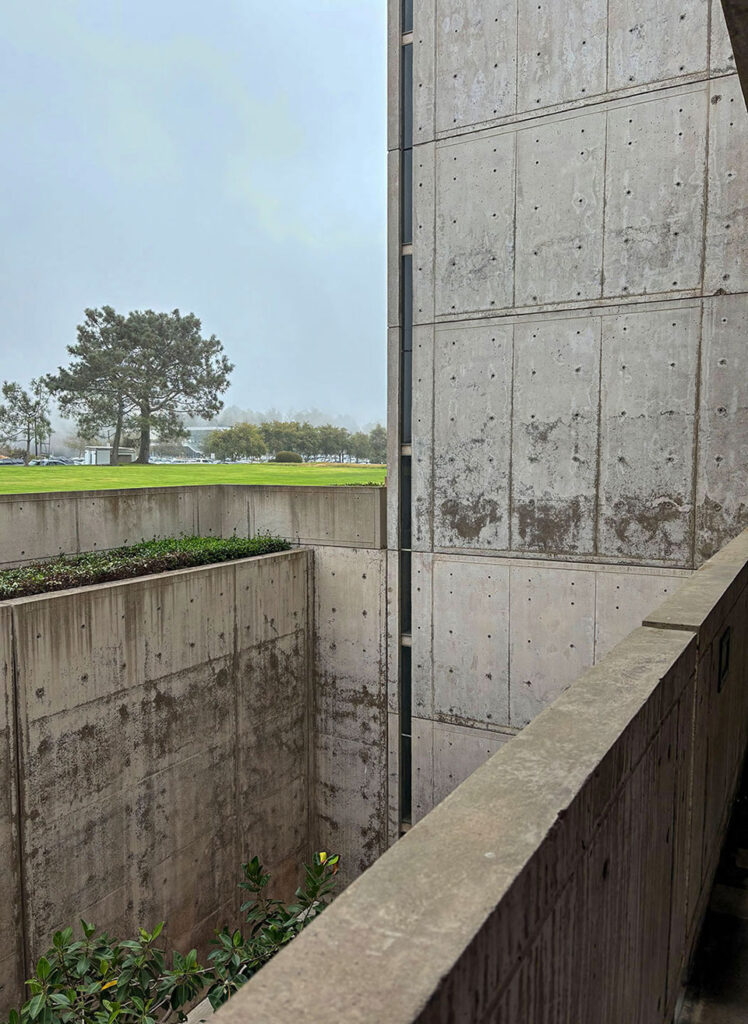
438 928
564 880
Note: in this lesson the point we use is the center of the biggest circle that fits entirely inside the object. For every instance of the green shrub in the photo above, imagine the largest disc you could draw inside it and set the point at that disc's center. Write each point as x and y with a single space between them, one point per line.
288 457
124 563
102 980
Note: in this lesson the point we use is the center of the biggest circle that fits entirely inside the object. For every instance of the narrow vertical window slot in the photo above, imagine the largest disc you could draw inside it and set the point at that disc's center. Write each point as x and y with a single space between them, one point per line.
406 614
407 104
406 200
407 16
406 354
406 743
406 413
405 503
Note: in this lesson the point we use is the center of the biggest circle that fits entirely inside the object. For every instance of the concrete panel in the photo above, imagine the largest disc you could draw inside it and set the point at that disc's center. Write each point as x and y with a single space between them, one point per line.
351 778
393 698
223 510
655 194
722 475
392 598
649 369
423 438
154 725
273 803
475 224
424 228
394 35
341 516
653 42
458 752
554 435
424 71
472 437
350 705
560 187
722 57
551 635
422 635
476 62
422 768
107 519
726 265
12 974
561 52
621 600
471 641
350 644
36 526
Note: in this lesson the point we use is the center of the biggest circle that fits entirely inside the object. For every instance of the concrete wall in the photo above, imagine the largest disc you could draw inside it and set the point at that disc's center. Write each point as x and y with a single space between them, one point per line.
350 693
163 734
41 525
579 316
345 526
565 880
11 925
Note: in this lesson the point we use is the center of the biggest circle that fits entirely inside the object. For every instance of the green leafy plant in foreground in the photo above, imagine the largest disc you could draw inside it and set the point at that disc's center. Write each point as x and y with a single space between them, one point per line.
144 559
101 980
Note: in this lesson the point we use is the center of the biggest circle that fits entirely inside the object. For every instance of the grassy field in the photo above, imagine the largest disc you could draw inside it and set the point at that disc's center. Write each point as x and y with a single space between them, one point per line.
32 479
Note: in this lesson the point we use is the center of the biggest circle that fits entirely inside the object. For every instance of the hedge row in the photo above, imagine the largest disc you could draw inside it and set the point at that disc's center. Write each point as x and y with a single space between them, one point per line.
125 563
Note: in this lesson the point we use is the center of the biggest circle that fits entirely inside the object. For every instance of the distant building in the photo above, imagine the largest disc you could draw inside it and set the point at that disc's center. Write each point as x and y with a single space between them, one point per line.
176 450
101 455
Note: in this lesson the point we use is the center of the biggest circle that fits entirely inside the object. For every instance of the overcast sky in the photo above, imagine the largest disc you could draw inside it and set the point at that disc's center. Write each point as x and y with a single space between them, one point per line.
225 158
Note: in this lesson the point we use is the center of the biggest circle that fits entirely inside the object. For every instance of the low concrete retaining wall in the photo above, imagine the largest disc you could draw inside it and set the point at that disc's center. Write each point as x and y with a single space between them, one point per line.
154 733
565 880
40 525
345 526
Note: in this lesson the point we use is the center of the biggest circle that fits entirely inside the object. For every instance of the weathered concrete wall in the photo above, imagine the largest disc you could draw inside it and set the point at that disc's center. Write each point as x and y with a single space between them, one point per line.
346 528
565 879
163 736
350 692
40 525
11 926
579 314
485 673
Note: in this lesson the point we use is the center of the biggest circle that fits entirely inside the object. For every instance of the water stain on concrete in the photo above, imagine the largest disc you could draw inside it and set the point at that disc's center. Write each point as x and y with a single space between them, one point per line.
469 519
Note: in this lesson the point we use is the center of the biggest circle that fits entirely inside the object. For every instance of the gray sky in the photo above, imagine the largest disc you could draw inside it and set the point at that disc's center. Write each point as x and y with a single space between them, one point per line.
226 158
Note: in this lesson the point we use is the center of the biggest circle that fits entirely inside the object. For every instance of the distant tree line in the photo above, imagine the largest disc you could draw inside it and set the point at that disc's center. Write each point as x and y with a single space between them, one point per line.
324 443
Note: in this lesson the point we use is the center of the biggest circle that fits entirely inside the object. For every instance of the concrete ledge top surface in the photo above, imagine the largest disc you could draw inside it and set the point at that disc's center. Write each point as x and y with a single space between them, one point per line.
387 944
153 579
696 604
107 492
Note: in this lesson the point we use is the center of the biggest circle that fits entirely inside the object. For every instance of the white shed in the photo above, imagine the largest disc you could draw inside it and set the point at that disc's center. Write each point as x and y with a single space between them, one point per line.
101 455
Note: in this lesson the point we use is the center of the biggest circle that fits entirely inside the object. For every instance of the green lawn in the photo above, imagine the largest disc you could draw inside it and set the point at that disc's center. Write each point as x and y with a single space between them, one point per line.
31 479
